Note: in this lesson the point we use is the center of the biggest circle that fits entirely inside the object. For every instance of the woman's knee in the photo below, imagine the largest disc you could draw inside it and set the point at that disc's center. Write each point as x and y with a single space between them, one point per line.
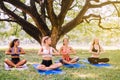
77 59
59 64
107 59
6 60
24 60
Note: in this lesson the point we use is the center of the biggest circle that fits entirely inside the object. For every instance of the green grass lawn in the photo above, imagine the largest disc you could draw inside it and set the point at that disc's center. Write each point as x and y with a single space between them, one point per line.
88 73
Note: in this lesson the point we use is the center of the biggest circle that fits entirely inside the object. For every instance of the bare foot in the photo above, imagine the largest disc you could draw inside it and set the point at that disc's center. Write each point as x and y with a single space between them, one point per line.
41 68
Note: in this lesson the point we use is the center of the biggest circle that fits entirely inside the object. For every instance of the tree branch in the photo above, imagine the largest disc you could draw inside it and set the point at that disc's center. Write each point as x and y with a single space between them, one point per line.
50 12
32 3
38 20
90 15
103 4
117 10
7 20
99 24
95 0
99 21
31 10
32 30
64 10
73 5
19 5
77 20
42 4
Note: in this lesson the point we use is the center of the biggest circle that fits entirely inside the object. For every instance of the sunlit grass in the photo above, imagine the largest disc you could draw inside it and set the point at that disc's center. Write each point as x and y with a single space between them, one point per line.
88 73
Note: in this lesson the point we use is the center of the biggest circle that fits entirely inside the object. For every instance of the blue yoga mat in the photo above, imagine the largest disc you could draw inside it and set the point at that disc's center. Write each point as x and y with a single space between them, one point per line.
85 61
102 65
48 72
97 65
77 65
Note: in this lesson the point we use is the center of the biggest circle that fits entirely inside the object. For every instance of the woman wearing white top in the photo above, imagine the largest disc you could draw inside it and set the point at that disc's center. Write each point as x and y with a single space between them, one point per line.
47 51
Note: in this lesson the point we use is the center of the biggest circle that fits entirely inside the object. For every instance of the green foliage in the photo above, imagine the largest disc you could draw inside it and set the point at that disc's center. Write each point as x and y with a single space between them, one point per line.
86 32
11 29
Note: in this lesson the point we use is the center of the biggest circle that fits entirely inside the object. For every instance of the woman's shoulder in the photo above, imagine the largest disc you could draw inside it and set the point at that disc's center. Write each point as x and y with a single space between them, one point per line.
42 47
69 47
9 48
19 47
52 48
62 47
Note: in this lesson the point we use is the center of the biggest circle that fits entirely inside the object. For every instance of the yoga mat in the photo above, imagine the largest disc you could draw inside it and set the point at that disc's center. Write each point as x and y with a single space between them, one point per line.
97 65
24 67
48 72
85 61
102 65
77 65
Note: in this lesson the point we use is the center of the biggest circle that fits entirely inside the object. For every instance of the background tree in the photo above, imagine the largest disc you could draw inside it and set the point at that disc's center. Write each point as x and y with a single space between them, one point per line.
49 21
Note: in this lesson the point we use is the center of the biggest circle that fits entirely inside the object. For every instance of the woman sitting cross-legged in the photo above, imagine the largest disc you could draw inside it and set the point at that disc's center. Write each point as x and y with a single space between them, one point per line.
96 50
47 53
15 51
66 51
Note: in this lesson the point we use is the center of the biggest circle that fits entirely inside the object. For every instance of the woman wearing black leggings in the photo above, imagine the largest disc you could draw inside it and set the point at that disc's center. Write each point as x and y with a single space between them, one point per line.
96 49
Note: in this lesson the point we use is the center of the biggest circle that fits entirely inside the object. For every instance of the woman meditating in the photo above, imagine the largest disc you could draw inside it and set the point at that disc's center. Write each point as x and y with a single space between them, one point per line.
96 50
15 51
66 51
47 53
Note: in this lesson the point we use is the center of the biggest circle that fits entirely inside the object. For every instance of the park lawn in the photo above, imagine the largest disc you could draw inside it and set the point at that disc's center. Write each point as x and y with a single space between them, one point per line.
88 73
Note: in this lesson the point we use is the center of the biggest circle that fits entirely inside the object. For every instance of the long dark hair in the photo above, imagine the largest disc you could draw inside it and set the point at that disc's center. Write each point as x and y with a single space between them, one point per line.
12 43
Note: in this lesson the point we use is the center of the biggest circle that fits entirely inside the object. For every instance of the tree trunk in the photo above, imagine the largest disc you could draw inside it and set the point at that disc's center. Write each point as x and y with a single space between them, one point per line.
55 36
40 28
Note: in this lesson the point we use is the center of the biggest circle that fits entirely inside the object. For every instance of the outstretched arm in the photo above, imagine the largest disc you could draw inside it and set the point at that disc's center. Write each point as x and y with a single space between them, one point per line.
55 52
72 51
40 52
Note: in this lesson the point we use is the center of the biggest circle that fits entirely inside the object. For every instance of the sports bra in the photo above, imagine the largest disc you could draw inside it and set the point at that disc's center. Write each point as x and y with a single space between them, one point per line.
13 53
47 53
94 50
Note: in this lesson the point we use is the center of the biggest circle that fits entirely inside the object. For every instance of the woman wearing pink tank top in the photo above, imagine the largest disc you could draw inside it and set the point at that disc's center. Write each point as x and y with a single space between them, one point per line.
66 51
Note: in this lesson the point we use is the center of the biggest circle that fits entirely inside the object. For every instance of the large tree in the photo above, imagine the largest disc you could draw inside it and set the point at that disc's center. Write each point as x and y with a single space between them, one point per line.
42 10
